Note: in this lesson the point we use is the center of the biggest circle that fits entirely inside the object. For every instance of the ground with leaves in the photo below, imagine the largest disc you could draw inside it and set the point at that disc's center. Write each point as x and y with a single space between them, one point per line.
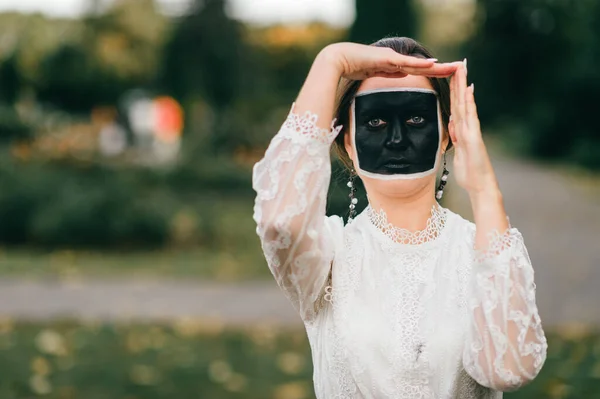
195 358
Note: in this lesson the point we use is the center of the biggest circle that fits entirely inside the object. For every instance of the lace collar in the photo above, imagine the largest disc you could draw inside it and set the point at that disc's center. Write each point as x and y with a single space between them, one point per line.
435 225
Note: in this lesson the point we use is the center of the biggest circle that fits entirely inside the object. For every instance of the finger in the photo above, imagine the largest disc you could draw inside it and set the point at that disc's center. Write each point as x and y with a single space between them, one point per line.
388 59
471 113
461 87
373 73
457 106
428 74
452 133
436 70
409 61
453 95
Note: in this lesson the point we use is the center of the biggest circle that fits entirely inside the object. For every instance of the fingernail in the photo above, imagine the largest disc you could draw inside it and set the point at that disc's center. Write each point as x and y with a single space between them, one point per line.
432 59
450 120
473 88
465 62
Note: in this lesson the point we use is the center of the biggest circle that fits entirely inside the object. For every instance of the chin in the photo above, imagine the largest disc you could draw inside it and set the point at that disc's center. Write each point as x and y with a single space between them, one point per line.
399 188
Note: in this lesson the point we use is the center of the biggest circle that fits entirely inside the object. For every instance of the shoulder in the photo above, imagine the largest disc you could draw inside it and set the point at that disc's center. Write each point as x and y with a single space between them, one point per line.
334 224
459 221
334 228
463 229
460 253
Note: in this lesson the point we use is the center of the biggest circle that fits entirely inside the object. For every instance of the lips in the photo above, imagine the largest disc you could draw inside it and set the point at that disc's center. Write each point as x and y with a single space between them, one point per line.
395 167
396 163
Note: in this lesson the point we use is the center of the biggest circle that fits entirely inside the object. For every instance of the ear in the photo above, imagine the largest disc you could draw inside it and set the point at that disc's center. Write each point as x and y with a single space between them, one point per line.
348 144
446 138
445 142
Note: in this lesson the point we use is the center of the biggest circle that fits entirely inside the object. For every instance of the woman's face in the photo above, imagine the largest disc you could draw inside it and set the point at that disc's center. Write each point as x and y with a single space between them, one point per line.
394 138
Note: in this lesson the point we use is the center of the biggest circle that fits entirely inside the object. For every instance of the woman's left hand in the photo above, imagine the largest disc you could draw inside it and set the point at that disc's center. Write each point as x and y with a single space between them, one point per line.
472 166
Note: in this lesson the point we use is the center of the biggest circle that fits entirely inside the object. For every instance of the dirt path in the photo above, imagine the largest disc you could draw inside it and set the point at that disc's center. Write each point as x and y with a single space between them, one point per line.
146 300
559 219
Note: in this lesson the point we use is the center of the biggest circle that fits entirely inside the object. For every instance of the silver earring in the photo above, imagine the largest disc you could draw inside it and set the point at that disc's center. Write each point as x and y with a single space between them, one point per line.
353 199
443 181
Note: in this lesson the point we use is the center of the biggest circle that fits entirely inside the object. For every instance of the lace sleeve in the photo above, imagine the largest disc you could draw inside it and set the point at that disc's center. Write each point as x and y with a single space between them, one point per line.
506 346
291 183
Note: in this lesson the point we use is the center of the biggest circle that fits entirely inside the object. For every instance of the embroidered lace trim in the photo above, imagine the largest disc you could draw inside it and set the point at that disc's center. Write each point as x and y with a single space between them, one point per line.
326 295
305 126
435 225
497 244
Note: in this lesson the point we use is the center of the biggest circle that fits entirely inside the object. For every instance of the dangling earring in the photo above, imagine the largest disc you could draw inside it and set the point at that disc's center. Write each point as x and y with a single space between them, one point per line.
443 181
353 199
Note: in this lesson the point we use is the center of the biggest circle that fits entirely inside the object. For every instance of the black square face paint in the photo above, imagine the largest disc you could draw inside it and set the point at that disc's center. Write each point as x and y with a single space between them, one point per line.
397 132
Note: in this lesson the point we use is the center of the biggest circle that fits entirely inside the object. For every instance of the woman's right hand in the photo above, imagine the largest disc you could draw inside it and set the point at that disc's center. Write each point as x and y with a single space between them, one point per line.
358 62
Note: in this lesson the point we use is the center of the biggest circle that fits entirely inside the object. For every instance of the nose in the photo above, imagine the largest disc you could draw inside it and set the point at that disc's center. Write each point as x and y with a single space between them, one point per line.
396 136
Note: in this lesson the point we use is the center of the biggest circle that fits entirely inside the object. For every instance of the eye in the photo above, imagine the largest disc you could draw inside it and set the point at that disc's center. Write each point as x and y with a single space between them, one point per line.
416 120
376 122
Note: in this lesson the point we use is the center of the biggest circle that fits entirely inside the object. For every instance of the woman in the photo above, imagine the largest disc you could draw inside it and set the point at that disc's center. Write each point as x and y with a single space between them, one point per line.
407 300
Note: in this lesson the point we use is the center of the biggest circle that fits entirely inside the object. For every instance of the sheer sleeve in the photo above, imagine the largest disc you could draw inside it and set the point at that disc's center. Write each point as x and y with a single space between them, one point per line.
506 346
291 183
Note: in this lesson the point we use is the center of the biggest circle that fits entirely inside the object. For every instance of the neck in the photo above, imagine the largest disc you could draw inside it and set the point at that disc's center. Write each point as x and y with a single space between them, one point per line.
407 212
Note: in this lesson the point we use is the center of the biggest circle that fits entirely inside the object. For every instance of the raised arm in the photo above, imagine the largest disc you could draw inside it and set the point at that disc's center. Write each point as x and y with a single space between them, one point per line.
505 346
291 180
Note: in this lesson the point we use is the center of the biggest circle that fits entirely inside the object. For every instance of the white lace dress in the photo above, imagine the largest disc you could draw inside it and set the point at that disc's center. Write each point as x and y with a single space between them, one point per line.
389 313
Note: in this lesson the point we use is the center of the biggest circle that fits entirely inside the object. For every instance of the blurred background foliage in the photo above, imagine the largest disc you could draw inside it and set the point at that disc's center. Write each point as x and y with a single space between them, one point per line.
394 18
58 76
192 358
533 63
535 66
67 209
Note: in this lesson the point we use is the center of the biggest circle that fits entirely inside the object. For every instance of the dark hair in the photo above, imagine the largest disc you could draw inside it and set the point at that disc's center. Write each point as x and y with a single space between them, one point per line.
348 89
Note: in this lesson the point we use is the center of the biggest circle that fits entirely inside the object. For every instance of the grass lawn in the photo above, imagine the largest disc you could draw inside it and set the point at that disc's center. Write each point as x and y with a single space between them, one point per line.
192 359
186 263
188 359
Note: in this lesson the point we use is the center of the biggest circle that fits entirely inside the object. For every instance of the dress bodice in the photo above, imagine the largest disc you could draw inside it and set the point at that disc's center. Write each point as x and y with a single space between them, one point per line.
391 313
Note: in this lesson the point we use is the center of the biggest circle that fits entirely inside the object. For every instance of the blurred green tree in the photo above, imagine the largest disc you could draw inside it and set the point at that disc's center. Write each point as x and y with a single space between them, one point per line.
205 66
376 19
116 51
72 81
534 64
516 50
12 126
202 60
10 79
